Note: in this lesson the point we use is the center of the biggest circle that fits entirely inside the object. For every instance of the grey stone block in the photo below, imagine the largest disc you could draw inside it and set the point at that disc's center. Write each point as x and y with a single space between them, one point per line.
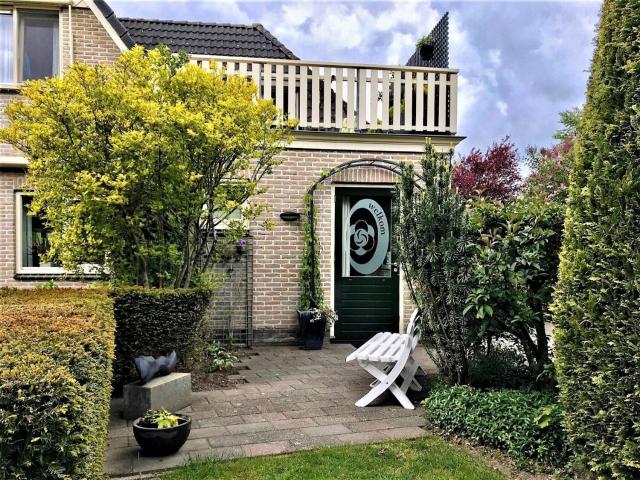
171 392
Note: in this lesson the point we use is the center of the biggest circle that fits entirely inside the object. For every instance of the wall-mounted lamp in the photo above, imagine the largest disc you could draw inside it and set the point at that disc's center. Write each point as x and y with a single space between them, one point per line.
290 216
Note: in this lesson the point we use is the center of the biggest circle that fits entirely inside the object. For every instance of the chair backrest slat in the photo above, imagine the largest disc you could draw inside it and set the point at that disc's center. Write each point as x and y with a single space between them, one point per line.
413 322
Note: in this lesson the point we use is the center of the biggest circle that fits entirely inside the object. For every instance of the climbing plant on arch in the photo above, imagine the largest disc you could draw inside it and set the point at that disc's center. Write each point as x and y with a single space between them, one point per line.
312 295
433 233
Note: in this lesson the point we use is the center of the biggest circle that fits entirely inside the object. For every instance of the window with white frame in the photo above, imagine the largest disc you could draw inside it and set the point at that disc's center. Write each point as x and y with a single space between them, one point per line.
32 241
29 44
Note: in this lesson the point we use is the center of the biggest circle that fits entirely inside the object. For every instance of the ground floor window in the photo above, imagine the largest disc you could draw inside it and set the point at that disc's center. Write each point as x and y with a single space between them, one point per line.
32 241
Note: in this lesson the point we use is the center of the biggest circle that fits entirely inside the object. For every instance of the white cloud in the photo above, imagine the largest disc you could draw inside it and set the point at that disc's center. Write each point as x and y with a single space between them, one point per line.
495 57
502 107
296 14
400 44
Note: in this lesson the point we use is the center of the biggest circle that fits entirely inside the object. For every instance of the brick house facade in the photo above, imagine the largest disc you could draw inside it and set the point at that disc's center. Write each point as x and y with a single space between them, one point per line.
265 309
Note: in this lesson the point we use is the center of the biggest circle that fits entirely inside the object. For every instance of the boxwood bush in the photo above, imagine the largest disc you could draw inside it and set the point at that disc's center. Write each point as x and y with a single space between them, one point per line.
155 322
525 424
56 350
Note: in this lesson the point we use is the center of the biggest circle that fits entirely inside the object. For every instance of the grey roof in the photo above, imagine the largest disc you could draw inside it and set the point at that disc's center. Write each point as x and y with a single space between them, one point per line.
207 38
110 16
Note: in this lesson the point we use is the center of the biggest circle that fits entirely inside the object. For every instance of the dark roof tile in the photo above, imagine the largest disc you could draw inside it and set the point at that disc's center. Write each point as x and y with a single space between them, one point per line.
207 38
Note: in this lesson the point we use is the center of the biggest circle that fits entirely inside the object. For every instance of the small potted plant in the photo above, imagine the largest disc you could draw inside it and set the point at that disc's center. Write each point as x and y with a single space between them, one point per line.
40 247
161 433
313 325
425 47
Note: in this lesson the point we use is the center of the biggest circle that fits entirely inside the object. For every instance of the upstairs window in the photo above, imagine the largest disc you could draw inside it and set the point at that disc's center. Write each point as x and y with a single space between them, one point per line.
38 45
6 47
29 45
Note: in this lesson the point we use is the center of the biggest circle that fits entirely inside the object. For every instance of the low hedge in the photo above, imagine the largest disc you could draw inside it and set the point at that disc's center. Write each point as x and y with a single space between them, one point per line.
56 351
525 424
154 322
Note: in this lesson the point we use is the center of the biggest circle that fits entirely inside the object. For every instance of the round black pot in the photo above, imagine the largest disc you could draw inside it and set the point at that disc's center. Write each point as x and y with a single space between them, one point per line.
426 52
158 442
312 332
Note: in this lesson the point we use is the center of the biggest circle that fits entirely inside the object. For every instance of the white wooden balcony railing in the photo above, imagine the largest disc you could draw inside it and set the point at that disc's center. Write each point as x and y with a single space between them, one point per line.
351 97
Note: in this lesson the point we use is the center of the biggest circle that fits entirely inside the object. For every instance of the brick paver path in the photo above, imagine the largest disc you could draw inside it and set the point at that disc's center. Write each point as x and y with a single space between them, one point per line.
293 400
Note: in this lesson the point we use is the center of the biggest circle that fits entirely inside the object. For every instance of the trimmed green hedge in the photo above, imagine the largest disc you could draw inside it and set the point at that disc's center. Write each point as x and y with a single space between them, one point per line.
525 424
154 322
56 350
597 300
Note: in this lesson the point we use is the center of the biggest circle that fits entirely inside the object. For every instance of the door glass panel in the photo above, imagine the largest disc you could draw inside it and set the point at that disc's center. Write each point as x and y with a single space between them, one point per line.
366 237
6 48
39 38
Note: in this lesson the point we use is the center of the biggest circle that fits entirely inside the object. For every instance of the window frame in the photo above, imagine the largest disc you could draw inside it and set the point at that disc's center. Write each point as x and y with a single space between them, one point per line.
21 269
14 11
86 269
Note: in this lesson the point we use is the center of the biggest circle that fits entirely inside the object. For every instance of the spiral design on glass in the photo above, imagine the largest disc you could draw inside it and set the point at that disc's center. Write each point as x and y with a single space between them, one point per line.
361 237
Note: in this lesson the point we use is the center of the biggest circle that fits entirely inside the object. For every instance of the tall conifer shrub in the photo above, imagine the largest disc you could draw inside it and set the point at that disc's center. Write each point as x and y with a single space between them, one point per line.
434 234
597 301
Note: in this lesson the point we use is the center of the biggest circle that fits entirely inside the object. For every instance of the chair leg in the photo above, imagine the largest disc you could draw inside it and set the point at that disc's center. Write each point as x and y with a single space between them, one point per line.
414 385
402 397
384 383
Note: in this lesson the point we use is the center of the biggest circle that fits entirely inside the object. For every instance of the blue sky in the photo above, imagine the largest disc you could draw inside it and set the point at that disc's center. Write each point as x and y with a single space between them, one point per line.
520 62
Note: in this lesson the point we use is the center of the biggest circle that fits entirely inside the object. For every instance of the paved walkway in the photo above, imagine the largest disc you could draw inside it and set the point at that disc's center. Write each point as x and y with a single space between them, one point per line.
292 400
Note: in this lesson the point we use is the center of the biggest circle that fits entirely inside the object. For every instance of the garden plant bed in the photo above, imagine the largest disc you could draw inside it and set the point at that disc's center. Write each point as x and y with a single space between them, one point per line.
202 380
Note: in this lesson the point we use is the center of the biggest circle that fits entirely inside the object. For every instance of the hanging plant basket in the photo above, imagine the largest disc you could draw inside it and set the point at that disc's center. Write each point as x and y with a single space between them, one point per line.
426 52
424 47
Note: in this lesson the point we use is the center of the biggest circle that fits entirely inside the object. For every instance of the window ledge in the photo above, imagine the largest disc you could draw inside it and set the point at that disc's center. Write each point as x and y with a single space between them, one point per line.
30 276
10 87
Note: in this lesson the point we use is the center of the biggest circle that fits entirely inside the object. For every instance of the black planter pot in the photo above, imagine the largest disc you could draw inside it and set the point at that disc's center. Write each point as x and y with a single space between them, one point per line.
312 332
426 52
158 442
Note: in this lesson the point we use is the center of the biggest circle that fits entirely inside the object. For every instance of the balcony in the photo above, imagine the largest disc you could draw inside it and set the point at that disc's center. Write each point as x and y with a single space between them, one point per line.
349 97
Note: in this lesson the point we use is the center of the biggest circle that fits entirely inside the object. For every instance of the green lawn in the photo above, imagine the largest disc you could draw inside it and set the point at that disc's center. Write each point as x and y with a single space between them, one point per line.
425 458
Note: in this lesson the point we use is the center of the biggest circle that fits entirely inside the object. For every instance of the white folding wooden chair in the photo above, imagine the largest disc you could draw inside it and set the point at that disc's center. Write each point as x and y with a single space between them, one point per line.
388 357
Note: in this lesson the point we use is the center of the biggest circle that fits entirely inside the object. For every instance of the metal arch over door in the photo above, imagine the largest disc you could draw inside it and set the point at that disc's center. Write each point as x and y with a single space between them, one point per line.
366 277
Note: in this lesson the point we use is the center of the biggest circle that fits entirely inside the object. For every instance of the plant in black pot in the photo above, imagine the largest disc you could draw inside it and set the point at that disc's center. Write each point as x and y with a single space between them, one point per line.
161 433
313 317
425 47
313 325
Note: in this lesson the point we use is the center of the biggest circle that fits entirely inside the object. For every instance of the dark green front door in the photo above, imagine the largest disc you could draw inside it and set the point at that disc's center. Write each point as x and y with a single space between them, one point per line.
366 278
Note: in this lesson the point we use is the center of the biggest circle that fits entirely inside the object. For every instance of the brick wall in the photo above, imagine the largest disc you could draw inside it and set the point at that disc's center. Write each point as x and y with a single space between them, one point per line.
9 181
278 253
5 99
91 44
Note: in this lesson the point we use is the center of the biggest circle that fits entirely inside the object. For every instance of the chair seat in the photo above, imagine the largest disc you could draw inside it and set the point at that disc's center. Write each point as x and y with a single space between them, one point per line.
384 347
